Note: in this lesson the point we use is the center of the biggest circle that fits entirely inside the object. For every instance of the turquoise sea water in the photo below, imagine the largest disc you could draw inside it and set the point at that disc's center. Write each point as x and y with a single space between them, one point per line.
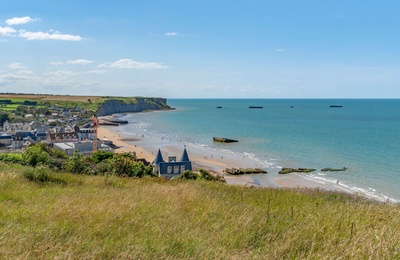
363 135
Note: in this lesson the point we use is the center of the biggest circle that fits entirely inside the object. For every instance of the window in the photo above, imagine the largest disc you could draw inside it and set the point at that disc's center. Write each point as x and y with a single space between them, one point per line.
169 169
176 169
182 168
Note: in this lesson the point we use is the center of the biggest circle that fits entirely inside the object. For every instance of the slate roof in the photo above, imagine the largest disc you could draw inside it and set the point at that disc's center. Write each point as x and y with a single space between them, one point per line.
159 158
185 157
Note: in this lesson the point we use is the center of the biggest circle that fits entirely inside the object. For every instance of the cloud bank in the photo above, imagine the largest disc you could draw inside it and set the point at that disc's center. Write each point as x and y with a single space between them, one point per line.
39 35
131 64
6 31
79 62
47 36
19 20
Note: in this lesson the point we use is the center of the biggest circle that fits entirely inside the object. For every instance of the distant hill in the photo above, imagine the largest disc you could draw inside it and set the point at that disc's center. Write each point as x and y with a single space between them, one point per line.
99 105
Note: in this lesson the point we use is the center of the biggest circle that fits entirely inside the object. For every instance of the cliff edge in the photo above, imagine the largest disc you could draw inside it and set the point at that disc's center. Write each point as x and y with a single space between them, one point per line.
138 104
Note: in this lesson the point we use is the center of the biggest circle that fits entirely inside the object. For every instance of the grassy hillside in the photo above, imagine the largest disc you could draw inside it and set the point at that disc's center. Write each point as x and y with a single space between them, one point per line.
80 216
21 104
64 101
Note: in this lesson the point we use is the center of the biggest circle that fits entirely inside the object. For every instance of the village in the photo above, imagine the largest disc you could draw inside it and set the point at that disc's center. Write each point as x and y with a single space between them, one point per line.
69 124
63 129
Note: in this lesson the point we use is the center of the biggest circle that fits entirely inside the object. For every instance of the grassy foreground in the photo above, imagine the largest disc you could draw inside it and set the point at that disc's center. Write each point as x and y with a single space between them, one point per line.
80 216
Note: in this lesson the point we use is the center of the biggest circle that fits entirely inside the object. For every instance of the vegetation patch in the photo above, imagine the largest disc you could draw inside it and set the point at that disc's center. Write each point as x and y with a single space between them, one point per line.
151 218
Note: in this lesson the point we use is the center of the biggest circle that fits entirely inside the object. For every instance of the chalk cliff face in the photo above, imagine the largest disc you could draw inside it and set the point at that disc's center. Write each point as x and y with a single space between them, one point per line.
113 106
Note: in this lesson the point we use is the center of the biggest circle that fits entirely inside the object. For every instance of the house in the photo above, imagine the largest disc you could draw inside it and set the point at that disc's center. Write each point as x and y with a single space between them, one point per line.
86 133
58 134
35 136
5 139
34 125
172 167
17 141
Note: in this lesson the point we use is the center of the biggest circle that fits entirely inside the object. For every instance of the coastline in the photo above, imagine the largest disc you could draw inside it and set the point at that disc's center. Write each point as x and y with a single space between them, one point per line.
146 147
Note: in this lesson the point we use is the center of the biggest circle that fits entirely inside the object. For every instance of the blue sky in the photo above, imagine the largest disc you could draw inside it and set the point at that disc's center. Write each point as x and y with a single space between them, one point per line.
201 49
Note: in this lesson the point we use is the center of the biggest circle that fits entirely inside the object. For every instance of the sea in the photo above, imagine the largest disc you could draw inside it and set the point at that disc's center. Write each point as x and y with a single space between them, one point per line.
362 135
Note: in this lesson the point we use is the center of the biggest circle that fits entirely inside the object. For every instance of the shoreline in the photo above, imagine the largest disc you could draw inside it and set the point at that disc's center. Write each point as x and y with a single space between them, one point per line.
213 161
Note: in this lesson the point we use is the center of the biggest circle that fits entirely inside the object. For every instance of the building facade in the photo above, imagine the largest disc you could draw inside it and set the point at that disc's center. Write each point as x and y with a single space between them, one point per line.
172 167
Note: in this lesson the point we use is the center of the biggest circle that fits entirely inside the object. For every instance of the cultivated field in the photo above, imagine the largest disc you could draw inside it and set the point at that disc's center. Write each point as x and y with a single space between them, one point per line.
49 97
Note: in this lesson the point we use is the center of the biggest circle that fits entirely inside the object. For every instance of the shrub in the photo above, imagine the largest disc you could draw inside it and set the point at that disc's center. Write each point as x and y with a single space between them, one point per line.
75 164
39 174
205 175
12 158
125 165
202 175
103 168
56 163
188 175
35 154
100 156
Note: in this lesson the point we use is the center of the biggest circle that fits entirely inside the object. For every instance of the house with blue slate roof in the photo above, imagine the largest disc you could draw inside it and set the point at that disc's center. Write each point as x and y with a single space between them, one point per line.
172 167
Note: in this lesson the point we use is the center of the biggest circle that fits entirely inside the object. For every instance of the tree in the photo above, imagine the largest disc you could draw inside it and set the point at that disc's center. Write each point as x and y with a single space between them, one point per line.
34 155
75 164
100 156
125 165
3 118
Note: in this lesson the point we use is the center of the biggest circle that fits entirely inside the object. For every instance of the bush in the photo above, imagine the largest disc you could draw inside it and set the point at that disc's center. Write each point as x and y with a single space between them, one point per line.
205 175
35 154
202 175
188 175
12 158
76 164
56 163
124 165
39 175
103 168
100 156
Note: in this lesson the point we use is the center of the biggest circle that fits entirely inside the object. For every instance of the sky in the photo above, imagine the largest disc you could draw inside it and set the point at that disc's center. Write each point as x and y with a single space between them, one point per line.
201 49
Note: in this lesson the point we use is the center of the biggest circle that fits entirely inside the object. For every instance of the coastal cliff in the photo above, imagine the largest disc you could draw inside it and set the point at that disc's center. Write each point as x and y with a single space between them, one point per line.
138 104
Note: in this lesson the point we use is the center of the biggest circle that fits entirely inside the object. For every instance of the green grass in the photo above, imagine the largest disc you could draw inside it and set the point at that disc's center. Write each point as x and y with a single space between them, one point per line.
69 102
10 107
117 218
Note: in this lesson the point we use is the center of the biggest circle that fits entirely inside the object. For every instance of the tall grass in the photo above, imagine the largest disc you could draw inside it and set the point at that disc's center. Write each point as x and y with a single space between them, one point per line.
110 217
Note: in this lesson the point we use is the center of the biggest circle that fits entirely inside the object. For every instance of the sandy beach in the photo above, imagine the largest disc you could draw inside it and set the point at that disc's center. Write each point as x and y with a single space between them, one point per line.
147 147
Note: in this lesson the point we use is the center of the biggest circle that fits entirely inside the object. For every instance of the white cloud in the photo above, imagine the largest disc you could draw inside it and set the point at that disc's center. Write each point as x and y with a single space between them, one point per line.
56 63
61 73
19 20
6 31
95 72
131 64
79 62
25 72
16 65
14 77
48 36
279 50
171 34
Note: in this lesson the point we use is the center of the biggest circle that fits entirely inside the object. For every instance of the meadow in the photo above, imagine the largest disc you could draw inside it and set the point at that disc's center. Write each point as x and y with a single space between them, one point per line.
83 216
